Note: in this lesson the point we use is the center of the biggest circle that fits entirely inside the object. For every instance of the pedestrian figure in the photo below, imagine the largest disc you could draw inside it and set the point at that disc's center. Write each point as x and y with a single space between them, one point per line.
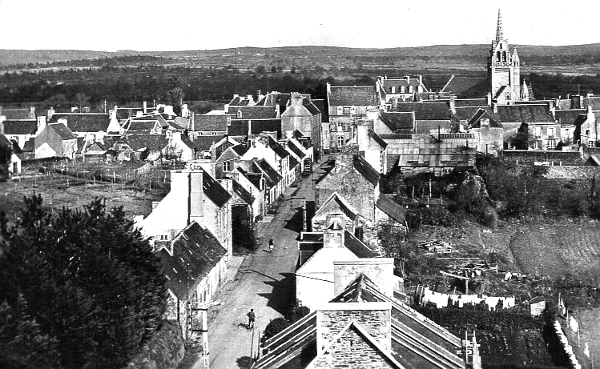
271 245
251 318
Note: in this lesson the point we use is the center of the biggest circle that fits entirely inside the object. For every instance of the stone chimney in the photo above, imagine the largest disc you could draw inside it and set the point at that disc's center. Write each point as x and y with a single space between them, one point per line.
296 99
576 102
50 113
144 107
206 165
169 110
379 270
41 124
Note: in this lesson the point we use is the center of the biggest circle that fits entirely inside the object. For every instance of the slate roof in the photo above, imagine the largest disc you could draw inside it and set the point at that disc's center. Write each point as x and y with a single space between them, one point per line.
270 174
239 190
151 142
365 169
253 112
388 83
276 147
312 108
140 126
239 127
352 96
391 208
470 102
205 142
17 113
84 122
475 122
295 149
377 139
214 191
525 113
211 122
20 127
594 101
29 145
568 116
398 121
425 127
321 105
239 149
357 247
417 342
62 130
426 110
189 143
195 253
466 112
254 178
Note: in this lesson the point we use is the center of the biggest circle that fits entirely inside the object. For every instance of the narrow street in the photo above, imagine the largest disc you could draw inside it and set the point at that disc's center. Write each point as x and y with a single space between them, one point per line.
264 282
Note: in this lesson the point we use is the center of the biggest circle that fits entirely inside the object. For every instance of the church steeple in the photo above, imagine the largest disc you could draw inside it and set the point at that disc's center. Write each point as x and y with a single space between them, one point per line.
499 34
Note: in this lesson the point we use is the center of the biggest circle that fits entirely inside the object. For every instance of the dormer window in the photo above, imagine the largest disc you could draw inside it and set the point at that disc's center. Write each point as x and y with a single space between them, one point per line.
238 115
393 89
402 89
227 166
411 89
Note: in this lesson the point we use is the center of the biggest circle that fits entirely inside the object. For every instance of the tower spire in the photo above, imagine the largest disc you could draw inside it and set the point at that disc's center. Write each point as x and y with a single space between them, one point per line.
499 35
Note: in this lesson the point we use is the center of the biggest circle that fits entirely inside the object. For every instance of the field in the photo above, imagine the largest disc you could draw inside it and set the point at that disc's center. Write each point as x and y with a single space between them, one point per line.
58 191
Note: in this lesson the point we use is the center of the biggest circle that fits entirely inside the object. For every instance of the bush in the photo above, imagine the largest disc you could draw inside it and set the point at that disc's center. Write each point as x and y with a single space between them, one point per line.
489 217
297 312
275 326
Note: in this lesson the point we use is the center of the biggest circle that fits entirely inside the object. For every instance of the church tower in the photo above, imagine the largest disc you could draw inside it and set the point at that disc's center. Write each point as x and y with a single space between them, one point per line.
504 70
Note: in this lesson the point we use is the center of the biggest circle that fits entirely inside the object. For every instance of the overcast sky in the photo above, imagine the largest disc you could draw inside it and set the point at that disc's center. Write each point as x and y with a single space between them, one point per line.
111 25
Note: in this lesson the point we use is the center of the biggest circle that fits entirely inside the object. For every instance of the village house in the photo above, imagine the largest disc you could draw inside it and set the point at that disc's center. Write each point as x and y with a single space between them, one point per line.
336 207
586 128
145 147
301 154
90 126
372 146
229 160
243 129
314 276
303 116
392 90
195 265
430 117
195 196
55 140
253 112
266 147
180 148
270 180
536 120
357 183
254 184
209 125
393 122
488 131
366 325
346 105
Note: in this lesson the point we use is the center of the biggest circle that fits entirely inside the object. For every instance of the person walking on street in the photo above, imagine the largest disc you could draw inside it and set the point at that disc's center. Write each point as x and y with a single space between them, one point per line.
251 318
271 245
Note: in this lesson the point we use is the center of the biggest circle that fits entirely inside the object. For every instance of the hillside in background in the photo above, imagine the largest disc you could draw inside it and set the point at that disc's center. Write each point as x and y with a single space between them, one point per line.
468 57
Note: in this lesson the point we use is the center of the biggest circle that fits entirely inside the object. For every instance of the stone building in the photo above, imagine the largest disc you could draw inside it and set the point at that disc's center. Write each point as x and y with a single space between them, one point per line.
55 140
303 116
366 326
195 196
489 132
346 105
392 90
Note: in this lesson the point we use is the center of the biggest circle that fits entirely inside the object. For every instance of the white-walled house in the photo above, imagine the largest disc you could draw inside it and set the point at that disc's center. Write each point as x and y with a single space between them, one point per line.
195 196
265 147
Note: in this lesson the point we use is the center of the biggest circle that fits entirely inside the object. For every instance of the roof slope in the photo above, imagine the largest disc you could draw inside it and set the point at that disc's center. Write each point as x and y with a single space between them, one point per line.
525 113
84 122
335 201
391 208
295 149
253 112
398 121
20 127
475 121
211 122
214 191
426 110
195 252
352 96
365 169
63 131
243 194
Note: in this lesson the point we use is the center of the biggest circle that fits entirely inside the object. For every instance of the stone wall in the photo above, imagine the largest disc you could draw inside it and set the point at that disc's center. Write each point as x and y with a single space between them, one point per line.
551 157
571 172
375 318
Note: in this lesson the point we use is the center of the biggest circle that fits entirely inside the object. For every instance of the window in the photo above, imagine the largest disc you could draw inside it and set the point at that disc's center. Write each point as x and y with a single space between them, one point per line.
227 166
550 132
587 132
591 144
393 89
347 110
551 144
340 141
537 131
402 89
238 114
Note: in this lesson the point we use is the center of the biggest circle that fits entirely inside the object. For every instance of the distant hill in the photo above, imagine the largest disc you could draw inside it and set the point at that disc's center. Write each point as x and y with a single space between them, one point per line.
307 55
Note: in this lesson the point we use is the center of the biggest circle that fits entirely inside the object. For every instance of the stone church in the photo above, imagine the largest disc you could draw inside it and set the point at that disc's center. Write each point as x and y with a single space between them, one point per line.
504 71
